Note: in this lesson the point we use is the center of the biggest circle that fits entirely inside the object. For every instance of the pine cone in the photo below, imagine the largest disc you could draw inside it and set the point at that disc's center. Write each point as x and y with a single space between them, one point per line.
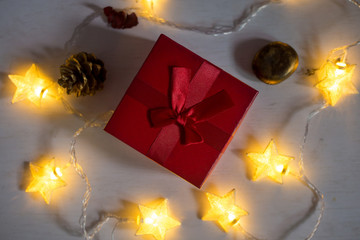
82 74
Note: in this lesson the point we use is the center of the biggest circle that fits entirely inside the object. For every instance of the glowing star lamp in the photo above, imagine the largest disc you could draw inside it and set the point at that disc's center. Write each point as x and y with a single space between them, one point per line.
148 7
223 210
150 3
155 221
335 80
46 179
30 86
270 163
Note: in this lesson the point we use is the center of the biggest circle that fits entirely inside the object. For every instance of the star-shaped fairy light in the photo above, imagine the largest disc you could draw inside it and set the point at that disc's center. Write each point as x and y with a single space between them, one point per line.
155 220
46 179
30 86
270 163
335 80
223 210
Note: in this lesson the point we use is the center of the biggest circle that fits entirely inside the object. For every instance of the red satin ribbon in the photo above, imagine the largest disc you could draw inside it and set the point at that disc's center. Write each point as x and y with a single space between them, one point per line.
187 117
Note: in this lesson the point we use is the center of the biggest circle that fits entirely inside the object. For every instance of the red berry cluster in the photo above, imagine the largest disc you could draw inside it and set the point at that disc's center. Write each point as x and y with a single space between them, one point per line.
120 19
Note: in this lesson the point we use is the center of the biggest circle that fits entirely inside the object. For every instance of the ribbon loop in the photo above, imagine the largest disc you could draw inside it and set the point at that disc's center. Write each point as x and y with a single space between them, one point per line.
187 119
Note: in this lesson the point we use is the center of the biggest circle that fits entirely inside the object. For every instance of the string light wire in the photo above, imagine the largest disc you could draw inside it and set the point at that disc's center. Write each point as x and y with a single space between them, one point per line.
76 33
238 23
246 234
148 14
318 196
356 3
72 110
99 122
306 133
344 50
215 30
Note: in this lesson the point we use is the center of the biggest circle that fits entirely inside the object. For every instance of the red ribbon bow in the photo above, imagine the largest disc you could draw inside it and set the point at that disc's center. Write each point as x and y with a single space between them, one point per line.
187 118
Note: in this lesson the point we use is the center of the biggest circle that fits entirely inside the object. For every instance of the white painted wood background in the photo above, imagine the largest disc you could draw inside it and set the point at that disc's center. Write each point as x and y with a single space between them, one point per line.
36 30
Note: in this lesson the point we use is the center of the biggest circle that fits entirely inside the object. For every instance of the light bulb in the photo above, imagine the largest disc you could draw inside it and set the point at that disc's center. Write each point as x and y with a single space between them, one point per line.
155 221
270 163
335 80
31 86
46 178
223 210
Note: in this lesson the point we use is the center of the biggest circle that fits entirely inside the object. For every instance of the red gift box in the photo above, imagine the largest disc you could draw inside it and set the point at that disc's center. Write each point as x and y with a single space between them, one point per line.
181 111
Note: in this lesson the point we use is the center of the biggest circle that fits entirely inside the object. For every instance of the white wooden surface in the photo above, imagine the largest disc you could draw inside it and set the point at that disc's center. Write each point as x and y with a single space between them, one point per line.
36 30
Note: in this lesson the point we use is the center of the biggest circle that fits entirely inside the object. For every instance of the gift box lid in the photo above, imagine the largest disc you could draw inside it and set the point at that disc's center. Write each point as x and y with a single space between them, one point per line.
212 103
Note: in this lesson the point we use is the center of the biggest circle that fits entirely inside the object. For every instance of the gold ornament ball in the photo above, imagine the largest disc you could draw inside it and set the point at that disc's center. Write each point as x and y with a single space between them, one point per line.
275 62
